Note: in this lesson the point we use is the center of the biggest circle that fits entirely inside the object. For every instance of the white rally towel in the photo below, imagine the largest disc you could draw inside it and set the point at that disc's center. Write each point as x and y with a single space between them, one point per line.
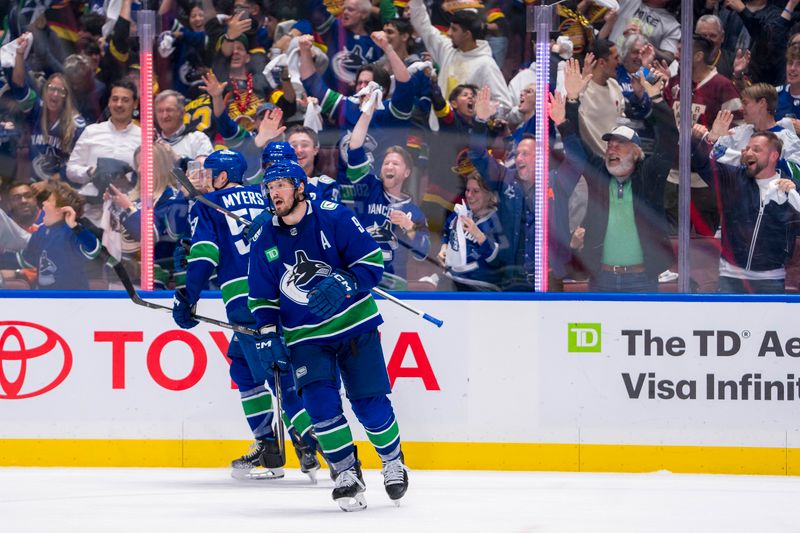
775 195
8 53
456 255
313 117
375 100
290 60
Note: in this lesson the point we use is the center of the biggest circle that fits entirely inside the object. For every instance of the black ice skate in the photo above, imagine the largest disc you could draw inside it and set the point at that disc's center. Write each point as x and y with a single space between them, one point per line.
262 462
306 454
349 489
395 478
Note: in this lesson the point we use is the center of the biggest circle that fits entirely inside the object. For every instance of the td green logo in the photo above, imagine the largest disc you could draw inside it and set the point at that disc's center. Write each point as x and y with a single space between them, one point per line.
584 338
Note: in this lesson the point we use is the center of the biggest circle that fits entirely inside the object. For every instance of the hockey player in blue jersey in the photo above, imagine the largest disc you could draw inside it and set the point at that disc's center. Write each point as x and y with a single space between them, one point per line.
383 208
311 270
217 243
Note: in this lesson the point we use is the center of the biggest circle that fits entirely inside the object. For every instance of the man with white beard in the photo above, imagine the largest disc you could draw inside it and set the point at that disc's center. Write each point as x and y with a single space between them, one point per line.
626 244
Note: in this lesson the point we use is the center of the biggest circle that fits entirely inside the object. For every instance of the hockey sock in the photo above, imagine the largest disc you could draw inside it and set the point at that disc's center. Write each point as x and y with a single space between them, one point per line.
336 441
257 405
301 423
386 439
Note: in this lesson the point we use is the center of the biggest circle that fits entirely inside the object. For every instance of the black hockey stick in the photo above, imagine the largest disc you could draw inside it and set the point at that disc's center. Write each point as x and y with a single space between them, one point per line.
125 279
194 193
279 433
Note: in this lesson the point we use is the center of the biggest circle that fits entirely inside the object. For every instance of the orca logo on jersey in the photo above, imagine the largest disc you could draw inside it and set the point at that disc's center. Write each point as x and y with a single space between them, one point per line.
300 274
33 360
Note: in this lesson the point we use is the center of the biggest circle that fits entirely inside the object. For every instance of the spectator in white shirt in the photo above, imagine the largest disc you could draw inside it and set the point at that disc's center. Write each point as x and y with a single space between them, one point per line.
117 138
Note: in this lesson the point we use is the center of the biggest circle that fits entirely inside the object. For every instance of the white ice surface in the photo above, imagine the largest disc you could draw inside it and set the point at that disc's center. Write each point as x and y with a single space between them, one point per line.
205 500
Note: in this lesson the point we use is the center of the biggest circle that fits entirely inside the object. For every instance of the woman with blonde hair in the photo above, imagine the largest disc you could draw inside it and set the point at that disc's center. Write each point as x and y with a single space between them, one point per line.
54 121
170 215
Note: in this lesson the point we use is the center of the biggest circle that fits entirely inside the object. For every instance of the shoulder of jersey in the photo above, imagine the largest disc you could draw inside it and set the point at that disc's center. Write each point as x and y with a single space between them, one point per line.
325 179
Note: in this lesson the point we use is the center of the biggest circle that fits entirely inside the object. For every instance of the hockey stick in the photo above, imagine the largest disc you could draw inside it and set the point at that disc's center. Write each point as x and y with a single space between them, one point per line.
276 375
194 193
127 283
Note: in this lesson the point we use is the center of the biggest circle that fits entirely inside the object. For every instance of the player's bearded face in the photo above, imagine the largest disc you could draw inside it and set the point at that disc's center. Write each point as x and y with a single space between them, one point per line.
284 196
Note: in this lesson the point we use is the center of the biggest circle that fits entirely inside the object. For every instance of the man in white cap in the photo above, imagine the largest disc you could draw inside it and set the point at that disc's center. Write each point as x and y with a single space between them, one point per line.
626 244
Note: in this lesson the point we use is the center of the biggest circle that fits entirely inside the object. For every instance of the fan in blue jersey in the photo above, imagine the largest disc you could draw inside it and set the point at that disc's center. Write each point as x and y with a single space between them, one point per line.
472 239
217 243
387 213
311 270
61 247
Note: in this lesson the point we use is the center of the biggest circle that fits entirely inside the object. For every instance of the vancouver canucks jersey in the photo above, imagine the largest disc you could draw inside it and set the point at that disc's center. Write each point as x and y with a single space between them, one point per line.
217 242
60 256
322 188
287 262
482 268
373 206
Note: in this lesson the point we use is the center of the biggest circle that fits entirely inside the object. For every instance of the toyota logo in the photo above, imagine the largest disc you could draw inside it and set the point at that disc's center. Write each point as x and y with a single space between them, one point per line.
33 360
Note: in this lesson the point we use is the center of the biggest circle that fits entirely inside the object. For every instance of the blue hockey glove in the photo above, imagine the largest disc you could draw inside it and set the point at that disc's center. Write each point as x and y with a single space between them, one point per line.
329 295
182 310
255 226
272 351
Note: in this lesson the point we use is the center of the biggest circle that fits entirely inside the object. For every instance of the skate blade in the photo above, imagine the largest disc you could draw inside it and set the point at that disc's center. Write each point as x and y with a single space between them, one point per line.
312 475
257 473
352 505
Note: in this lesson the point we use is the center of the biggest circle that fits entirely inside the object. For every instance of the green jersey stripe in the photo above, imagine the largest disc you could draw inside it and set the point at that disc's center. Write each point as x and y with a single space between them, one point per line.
261 303
234 288
348 319
204 250
374 258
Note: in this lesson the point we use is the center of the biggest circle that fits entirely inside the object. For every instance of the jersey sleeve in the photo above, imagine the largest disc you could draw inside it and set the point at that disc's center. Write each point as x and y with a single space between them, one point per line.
203 256
357 248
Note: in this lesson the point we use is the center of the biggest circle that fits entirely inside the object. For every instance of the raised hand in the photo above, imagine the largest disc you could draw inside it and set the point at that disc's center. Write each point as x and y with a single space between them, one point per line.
270 126
741 61
379 38
484 107
698 131
588 64
304 43
238 24
735 5
721 125
648 55
575 81
557 108
213 86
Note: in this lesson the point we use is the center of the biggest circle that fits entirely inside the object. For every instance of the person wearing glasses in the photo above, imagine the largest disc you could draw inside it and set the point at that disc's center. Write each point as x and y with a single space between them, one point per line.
626 244
53 119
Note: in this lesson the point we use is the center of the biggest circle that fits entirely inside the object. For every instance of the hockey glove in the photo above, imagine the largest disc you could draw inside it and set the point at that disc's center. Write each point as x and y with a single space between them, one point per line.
272 351
182 310
329 295
250 231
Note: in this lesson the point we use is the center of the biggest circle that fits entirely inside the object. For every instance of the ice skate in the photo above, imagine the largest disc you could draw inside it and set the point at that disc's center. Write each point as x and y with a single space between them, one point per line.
395 478
262 462
349 489
307 455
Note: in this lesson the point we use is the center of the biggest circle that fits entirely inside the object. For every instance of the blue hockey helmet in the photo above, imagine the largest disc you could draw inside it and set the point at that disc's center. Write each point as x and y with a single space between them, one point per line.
286 169
277 151
230 161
